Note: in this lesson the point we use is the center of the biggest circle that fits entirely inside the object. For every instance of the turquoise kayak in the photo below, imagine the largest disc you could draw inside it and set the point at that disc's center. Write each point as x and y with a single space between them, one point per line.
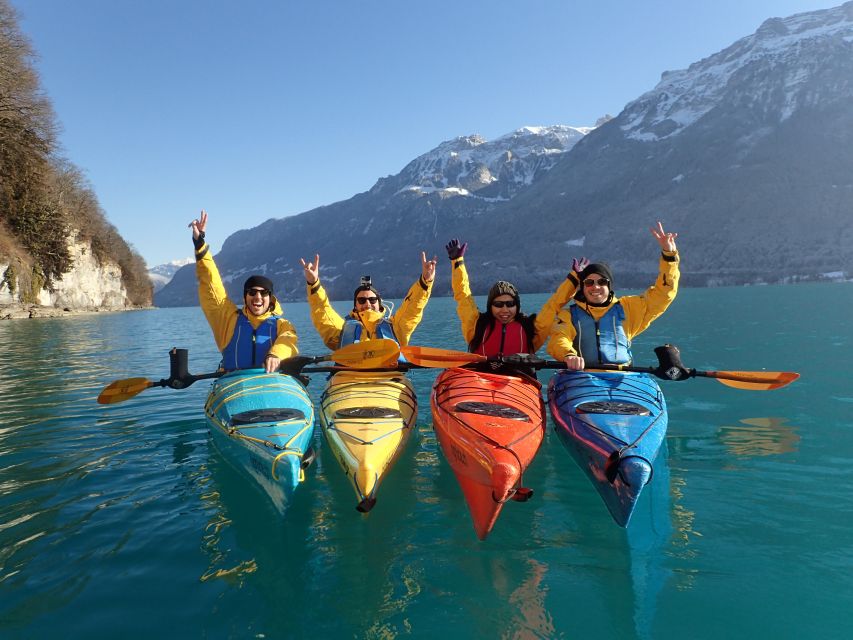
263 424
613 425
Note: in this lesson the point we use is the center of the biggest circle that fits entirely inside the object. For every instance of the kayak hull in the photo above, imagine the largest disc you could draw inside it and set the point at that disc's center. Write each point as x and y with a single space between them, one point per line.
489 428
367 419
263 425
613 425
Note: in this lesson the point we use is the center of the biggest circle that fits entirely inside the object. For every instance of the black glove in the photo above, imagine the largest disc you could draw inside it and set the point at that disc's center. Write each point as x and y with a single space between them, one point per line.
454 250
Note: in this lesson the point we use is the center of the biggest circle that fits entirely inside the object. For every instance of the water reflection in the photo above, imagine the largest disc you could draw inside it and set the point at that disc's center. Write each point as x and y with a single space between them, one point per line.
760 437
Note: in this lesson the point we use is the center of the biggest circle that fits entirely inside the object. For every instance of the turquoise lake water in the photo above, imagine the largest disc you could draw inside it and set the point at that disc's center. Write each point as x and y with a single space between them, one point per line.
124 520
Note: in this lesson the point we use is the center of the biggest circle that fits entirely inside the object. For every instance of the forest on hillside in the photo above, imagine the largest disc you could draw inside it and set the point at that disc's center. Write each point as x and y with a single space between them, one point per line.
44 198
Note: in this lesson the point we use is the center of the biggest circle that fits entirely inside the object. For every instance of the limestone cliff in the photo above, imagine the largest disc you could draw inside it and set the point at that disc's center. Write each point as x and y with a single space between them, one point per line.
91 284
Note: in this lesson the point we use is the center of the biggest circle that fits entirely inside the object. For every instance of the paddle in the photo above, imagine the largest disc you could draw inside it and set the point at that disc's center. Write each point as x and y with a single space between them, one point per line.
440 358
361 355
669 367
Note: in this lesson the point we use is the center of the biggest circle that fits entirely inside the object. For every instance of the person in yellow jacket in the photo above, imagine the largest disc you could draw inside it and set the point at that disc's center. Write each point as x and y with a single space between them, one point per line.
257 335
599 327
370 318
503 329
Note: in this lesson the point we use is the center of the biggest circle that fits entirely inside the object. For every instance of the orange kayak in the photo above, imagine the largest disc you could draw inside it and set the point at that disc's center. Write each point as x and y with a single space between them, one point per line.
489 427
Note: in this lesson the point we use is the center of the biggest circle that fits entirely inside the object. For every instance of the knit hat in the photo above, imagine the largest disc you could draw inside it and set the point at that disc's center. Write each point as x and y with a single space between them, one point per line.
257 281
501 288
602 269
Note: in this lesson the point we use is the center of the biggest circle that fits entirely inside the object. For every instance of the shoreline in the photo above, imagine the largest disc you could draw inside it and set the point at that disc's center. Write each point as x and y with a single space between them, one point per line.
27 311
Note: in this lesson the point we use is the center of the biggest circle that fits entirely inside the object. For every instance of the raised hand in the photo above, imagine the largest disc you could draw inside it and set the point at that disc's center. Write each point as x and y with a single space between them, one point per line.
665 240
454 250
312 269
428 267
579 265
199 225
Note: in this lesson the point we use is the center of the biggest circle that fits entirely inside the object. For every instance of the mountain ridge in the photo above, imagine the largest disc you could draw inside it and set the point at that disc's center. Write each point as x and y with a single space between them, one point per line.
746 154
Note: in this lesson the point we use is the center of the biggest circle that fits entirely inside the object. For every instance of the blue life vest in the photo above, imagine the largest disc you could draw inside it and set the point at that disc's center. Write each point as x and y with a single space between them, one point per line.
353 328
249 346
602 342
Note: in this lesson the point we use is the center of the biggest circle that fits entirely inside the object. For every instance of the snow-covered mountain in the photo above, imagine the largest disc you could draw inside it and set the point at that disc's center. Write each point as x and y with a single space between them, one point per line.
775 70
747 154
461 179
473 167
162 274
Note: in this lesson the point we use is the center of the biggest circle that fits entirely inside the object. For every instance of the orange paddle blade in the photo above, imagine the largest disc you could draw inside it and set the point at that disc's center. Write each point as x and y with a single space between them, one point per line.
440 358
369 354
122 390
753 380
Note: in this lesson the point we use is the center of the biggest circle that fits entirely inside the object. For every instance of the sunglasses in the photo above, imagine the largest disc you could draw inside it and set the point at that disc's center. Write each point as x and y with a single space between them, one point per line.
252 292
365 299
601 282
500 304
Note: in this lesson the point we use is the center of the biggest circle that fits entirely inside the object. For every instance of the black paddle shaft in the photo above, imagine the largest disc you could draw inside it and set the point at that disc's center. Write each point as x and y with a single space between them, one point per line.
669 364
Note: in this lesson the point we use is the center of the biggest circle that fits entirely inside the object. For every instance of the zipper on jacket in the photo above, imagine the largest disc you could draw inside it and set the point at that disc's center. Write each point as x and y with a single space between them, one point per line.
598 341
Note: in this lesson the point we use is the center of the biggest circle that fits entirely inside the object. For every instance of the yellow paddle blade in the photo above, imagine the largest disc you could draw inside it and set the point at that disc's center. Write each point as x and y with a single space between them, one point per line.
122 390
369 354
440 358
753 380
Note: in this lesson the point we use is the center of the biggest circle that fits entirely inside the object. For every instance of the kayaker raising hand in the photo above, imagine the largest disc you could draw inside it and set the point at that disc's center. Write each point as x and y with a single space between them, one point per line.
265 337
370 318
599 327
503 329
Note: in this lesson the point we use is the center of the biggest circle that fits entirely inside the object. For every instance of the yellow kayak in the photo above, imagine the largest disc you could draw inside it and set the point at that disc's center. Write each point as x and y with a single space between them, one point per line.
367 418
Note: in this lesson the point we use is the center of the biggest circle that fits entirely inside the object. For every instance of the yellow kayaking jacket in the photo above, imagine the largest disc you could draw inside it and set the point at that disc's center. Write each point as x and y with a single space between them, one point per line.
329 323
222 314
466 307
640 311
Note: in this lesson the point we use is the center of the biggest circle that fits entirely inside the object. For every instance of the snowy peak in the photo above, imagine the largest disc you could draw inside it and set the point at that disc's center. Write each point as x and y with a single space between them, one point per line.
474 167
162 274
776 63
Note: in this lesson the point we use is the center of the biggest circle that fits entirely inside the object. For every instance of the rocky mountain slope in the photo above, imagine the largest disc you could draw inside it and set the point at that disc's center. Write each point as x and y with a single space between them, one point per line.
747 154
381 232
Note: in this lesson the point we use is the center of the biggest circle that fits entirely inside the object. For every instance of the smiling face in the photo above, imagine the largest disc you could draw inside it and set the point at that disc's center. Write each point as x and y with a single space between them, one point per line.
257 300
504 308
366 301
596 288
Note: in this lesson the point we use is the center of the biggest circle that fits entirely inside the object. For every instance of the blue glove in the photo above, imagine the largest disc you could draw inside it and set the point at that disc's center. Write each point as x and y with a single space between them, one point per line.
454 250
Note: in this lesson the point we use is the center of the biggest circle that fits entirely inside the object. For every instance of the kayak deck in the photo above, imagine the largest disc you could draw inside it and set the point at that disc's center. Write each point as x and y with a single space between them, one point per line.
489 427
613 424
263 424
367 418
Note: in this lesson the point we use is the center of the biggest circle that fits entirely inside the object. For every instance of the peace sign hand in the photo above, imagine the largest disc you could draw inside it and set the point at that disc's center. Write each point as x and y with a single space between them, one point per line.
665 240
199 225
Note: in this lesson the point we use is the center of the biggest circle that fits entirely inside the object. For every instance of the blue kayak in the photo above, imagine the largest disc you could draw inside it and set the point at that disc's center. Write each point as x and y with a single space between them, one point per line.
263 424
613 424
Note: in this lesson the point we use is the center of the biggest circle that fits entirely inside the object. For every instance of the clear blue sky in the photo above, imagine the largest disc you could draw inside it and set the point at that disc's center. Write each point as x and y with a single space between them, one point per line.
256 110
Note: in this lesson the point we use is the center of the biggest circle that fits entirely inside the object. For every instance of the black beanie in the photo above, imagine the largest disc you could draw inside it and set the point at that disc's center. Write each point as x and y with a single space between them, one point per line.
602 269
503 288
258 281
365 285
